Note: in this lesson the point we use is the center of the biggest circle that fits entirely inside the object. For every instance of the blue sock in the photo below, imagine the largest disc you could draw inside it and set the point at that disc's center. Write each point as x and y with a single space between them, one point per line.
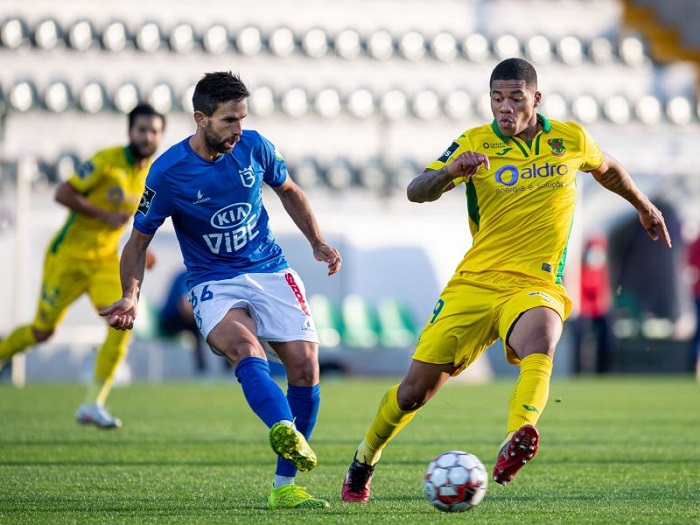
304 402
262 393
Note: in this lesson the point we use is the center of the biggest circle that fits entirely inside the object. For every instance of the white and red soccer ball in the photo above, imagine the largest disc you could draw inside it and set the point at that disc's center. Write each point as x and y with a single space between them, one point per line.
455 481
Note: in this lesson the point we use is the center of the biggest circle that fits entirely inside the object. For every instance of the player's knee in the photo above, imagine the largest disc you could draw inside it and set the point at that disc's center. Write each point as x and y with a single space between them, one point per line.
542 345
236 352
42 335
410 399
302 370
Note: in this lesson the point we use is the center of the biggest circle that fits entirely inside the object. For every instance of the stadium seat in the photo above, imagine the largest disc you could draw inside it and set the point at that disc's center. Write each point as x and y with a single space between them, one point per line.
146 330
396 327
358 323
327 320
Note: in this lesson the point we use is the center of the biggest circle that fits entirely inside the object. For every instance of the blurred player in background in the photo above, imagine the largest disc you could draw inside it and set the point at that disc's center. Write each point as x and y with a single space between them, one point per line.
102 196
176 316
242 289
594 320
519 172
694 266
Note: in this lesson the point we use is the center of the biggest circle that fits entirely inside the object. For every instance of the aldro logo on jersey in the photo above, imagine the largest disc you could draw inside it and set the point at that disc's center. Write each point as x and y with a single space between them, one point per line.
146 200
509 174
238 228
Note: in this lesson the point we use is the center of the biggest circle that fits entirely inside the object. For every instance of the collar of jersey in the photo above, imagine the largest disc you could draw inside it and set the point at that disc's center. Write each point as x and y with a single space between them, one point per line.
546 126
129 155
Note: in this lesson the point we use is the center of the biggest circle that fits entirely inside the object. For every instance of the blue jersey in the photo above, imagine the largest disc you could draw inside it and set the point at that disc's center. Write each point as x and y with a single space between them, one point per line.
216 208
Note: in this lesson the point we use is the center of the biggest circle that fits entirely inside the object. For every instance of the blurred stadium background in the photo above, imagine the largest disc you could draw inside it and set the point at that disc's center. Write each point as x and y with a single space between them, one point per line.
358 95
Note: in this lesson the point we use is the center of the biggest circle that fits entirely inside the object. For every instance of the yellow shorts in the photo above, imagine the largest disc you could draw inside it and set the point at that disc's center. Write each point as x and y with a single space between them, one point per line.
475 310
65 279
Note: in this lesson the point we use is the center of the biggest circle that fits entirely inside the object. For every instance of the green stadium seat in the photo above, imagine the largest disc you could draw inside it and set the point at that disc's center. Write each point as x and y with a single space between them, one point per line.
359 330
396 327
327 320
146 324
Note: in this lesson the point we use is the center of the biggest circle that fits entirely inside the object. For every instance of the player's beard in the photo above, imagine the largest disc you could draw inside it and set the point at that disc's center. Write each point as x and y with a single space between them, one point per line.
214 143
142 151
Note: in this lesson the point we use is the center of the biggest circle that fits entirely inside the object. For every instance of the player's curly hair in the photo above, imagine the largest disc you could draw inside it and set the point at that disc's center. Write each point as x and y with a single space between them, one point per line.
217 88
515 69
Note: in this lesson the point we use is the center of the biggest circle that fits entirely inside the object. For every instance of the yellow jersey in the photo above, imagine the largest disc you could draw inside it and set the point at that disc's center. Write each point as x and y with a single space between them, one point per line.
112 181
521 209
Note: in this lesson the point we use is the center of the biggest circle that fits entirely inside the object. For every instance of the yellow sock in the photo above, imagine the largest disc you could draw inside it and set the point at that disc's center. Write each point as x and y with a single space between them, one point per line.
530 393
93 392
18 341
110 354
390 419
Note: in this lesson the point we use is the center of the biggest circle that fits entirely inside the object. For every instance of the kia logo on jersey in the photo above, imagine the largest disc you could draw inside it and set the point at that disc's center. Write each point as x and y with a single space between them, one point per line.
230 216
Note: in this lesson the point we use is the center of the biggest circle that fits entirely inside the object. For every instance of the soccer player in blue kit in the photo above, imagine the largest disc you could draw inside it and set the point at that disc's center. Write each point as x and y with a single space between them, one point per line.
242 289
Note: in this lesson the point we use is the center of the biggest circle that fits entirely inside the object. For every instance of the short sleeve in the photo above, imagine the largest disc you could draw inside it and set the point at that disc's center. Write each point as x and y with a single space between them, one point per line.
155 205
88 174
455 149
274 165
591 152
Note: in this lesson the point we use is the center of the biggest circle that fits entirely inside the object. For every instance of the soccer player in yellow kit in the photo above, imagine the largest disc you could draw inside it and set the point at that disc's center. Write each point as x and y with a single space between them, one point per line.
520 178
101 197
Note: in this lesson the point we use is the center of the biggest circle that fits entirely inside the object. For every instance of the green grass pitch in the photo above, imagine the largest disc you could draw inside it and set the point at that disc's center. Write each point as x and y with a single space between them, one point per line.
613 451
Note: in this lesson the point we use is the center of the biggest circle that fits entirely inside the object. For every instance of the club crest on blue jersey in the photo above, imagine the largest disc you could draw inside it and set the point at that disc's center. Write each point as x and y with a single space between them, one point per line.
247 176
146 200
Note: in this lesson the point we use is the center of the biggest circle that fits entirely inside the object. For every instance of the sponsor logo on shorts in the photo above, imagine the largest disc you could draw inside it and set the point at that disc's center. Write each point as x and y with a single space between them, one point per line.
297 293
543 295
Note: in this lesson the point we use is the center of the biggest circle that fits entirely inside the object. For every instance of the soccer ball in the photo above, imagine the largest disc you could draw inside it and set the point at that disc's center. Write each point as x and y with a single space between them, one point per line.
455 481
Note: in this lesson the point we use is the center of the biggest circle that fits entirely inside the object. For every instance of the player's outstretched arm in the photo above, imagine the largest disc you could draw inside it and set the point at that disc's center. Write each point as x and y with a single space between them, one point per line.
122 313
613 176
430 185
297 206
72 199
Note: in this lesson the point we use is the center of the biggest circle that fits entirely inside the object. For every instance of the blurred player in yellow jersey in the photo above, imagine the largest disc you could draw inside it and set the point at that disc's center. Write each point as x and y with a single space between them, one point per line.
101 197
520 177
